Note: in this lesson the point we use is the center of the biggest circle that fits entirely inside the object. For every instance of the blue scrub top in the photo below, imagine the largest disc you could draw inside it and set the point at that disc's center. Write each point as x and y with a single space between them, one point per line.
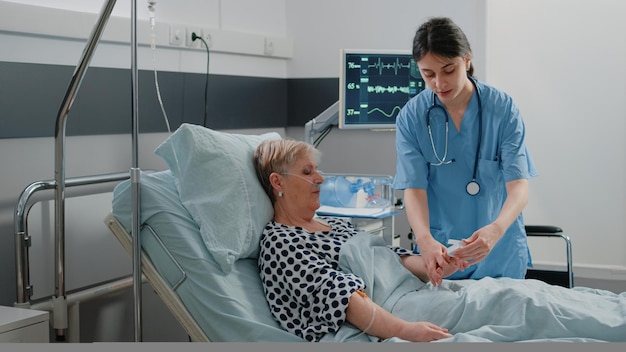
503 157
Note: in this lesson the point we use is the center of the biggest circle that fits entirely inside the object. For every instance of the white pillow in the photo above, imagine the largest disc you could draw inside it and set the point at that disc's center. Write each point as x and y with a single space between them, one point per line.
215 178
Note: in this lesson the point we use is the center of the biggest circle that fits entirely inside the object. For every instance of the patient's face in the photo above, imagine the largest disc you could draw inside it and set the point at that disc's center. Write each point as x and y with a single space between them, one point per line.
301 185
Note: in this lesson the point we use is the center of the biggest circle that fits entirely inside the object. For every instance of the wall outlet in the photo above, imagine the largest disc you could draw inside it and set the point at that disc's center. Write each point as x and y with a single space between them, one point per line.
208 37
189 39
177 35
268 48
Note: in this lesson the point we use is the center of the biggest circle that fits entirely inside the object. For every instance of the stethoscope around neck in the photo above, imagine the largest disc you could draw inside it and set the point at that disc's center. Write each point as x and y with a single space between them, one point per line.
473 187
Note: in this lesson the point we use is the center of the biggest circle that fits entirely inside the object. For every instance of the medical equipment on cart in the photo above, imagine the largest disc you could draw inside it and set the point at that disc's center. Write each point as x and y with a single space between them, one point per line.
356 192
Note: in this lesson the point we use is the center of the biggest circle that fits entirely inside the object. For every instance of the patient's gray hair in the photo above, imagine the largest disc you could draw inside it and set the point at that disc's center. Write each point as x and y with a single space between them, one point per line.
278 156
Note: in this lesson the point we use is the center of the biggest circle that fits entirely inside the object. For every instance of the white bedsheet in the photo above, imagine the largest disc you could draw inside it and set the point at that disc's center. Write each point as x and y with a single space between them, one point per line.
486 310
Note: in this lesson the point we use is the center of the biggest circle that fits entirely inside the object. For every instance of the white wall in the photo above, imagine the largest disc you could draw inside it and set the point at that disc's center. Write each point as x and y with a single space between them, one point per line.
563 62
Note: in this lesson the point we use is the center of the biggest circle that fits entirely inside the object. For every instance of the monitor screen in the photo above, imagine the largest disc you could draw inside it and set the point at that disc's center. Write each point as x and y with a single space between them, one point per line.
374 85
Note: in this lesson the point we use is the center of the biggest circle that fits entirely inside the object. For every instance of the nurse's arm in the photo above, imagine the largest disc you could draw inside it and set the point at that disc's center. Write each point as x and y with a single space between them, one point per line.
516 200
416 202
484 239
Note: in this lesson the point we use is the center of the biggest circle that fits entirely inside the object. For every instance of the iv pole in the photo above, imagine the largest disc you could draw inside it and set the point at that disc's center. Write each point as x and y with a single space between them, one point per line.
59 299
135 173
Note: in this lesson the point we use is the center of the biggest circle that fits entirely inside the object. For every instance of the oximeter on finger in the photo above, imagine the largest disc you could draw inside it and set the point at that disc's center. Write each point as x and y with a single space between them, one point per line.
455 244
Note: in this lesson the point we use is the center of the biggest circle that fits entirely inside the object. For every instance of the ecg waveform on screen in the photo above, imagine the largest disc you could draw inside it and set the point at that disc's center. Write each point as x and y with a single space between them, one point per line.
393 113
395 66
388 89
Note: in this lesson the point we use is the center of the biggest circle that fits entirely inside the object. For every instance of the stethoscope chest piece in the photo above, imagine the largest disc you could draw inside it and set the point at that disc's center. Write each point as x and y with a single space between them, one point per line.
472 188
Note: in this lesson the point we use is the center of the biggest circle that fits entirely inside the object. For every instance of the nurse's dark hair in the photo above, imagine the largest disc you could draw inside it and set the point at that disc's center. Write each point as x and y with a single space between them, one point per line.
440 36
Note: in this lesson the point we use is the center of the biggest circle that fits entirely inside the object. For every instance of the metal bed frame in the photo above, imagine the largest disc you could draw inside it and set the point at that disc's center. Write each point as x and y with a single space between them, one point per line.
164 290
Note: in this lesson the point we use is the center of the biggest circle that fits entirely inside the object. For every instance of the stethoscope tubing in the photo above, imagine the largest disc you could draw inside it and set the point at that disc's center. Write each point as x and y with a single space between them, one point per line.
473 187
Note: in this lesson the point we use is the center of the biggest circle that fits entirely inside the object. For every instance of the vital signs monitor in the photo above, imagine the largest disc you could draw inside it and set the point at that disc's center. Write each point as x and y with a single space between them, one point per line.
374 85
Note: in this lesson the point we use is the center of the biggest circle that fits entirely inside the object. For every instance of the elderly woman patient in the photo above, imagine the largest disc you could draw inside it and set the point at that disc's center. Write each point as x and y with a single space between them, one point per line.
308 292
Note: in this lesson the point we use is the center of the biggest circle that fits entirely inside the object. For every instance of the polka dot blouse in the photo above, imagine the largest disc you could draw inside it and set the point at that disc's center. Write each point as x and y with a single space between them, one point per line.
307 293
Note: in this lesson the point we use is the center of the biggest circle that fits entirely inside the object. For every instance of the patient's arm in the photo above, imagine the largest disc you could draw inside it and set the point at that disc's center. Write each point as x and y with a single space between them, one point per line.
383 324
416 264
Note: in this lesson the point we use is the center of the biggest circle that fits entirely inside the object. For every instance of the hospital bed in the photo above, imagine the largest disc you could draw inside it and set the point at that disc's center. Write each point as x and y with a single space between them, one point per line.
201 224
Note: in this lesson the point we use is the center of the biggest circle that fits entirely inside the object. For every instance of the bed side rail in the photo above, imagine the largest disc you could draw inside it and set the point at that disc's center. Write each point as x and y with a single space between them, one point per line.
183 274
21 236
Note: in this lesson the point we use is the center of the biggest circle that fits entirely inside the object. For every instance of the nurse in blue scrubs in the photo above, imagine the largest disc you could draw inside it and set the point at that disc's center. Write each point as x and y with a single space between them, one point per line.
462 162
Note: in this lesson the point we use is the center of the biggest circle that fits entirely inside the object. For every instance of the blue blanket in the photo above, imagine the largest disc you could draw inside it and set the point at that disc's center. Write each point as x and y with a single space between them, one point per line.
486 310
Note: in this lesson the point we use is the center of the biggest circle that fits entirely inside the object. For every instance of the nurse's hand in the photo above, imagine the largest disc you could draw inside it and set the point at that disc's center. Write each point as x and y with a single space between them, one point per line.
435 258
416 264
454 265
479 244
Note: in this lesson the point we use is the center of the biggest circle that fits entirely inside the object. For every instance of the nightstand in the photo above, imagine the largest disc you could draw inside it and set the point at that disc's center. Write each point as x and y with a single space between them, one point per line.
384 227
23 325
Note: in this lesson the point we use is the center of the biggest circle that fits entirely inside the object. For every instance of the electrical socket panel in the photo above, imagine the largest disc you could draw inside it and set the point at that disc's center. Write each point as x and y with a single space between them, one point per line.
268 48
177 35
188 37
208 37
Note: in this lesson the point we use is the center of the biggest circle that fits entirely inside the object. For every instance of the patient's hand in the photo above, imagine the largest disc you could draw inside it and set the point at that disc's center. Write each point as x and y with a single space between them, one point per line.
422 332
435 259
452 265
416 264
